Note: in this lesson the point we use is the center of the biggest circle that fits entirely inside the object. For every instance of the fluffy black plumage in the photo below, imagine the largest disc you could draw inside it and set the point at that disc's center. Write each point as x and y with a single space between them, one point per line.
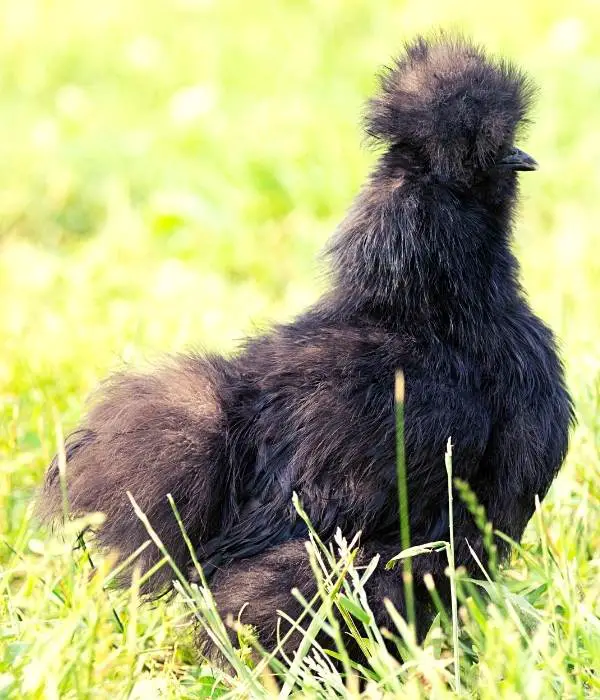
422 279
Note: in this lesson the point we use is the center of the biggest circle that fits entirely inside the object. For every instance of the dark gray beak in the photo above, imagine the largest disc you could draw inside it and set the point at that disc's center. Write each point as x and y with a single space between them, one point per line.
516 159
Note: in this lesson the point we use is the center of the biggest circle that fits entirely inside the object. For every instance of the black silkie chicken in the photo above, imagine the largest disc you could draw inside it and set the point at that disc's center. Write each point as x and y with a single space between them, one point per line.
423 280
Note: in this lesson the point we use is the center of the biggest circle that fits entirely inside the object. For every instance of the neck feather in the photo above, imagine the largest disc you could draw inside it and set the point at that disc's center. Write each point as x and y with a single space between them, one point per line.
414 253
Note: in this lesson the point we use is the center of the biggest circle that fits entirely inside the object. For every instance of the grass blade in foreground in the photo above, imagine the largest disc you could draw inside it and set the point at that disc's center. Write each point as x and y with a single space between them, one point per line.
403 499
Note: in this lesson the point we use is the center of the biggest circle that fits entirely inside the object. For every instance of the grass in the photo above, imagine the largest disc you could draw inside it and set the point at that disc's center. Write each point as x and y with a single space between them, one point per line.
168 174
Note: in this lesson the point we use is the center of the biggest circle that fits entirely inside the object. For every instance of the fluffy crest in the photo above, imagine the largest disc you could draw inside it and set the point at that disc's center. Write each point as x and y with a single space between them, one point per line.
449 105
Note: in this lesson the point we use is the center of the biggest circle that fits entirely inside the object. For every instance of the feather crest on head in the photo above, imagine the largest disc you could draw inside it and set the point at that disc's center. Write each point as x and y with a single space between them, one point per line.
449 103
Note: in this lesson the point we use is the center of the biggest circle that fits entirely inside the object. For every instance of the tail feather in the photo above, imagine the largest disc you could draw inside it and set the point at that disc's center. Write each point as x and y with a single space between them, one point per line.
149 434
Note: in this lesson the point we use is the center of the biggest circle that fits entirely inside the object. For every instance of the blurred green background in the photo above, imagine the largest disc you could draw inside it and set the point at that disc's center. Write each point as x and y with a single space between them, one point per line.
169 171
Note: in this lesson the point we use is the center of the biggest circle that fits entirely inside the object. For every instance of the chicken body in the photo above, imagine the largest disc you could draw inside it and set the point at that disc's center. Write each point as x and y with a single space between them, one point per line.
423 280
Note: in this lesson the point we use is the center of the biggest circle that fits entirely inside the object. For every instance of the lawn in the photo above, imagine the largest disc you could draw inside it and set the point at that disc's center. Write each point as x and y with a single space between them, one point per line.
168 173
